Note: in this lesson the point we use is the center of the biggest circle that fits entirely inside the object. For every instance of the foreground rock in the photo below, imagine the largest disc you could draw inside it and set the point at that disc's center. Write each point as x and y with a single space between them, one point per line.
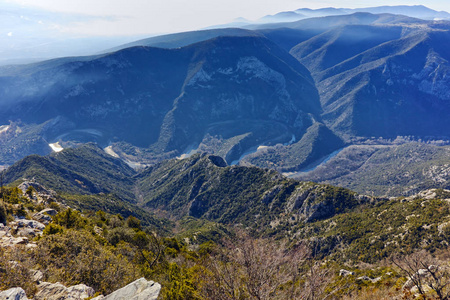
24 231
13 294
140 289
27 228
57 291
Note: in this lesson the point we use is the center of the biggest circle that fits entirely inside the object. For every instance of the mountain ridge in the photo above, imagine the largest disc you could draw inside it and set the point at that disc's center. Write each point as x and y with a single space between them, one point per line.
166 100
202 186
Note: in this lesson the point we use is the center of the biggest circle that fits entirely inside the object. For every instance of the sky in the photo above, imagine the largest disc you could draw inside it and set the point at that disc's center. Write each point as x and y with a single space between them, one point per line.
140 17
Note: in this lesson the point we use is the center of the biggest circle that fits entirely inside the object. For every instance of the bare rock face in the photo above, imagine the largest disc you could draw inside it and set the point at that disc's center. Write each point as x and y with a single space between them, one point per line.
45 216
13 294
49 211
24 229
140 289
36 275
42 192
57 291
27 228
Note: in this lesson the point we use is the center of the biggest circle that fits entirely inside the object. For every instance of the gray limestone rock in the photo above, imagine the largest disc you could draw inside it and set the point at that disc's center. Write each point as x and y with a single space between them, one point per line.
13 294
19 241
364 278
140 289
49 211
367 278
45 216
23 223
57 291
27 232
36 275
345 273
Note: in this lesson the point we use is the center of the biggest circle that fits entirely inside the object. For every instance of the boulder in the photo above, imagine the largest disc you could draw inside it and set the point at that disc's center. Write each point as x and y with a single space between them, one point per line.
48 211
36 275
13 294
45 215
43 218
140 289
32 224
19 241
27 228
27 232
345 273
80 291
57 291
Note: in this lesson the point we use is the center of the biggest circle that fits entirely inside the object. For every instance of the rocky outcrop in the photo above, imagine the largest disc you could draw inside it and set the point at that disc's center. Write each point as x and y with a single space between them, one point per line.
45 216
367 278
268 196
140 289
19 232
36 275
57 291
29 228
13 294
345 273
311 202
41 194
8 240
419 276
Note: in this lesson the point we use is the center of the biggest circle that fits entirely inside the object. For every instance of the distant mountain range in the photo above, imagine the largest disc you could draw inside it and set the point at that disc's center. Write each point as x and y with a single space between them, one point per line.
33 34
241 91
278 95
416 11
393 81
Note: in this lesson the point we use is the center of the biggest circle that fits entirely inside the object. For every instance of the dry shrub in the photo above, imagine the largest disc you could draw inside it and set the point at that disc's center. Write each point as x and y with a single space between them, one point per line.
15 270
249 268
76 257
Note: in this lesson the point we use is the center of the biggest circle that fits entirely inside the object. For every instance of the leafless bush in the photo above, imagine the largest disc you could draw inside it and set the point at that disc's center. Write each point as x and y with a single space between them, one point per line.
425 273
262 269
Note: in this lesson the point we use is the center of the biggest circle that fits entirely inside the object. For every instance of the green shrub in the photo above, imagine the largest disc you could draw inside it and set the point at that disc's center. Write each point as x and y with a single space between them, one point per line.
2 213
133 222
70 219
52 229
75 256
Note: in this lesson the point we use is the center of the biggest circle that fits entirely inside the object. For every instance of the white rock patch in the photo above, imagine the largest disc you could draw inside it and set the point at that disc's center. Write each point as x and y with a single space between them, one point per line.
4 128
109 150
56 147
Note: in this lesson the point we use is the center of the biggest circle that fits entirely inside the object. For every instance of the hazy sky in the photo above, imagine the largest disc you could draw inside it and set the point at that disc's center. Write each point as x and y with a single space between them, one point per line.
133 17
